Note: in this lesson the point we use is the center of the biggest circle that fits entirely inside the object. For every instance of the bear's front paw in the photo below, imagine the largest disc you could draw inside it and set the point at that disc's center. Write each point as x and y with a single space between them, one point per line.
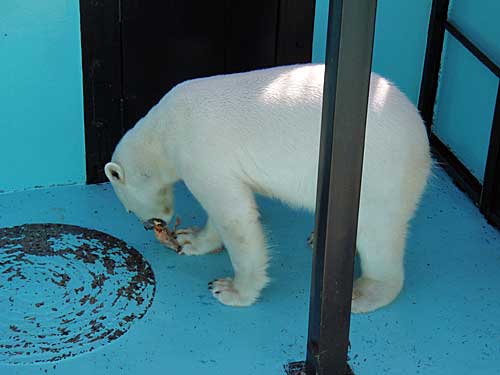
191 244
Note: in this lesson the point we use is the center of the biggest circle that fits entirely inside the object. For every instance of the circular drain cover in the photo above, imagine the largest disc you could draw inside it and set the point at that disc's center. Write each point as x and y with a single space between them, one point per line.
65 290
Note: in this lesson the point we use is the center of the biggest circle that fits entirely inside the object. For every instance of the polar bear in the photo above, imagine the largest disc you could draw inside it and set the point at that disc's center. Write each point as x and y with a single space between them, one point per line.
231 136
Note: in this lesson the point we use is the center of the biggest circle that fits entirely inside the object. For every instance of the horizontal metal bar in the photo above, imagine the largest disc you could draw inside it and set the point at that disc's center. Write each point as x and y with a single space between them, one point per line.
480 55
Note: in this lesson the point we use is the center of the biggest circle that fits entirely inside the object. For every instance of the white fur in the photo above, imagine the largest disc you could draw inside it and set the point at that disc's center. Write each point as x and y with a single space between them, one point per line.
230 136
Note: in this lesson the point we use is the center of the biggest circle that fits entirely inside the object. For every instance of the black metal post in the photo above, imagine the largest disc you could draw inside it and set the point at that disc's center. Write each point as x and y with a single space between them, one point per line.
432 64
351 27
490 195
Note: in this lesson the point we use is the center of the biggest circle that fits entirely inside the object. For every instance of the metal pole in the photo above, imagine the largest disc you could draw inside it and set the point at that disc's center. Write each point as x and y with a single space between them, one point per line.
430 76
348 66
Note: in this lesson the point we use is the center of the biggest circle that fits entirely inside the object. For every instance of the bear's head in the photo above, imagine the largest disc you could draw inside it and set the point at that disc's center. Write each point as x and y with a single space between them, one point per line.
142 181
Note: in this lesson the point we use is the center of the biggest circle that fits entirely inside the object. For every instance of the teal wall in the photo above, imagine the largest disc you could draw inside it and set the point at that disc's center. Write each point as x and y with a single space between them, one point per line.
400 41
479 21
41 108
467 91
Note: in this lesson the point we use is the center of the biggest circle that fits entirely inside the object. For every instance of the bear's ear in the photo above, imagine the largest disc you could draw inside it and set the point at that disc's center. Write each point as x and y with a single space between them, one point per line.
114 172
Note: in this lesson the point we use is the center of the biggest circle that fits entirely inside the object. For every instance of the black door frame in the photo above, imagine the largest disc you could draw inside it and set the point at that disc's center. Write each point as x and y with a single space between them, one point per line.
486 195
100 25
102 54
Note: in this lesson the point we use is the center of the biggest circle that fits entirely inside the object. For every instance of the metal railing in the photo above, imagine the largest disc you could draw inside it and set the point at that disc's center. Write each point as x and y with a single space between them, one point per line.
486 195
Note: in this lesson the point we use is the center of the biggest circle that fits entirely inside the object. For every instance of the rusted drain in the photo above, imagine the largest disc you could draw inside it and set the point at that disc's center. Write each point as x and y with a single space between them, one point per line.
66 290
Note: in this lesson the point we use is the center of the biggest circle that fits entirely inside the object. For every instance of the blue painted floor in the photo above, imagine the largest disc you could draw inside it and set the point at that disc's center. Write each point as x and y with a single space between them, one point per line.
447 320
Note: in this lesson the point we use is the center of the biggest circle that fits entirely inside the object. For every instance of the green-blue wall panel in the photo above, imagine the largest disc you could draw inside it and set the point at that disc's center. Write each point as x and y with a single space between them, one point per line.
400 41
41 106
465 105
478 20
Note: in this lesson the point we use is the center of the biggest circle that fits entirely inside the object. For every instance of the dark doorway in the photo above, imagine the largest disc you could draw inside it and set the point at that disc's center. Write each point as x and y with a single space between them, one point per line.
134 52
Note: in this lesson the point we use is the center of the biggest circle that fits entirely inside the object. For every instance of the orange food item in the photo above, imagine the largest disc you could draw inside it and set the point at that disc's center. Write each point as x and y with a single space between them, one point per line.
166 236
